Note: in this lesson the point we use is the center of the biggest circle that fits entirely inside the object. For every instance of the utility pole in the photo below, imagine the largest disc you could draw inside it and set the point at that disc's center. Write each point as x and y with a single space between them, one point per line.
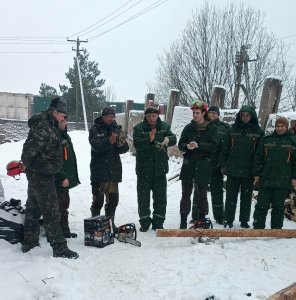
78 79
241 62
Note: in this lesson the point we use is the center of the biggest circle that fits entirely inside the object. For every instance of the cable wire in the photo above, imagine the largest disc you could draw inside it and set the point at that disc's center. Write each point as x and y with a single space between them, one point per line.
101 20
152 6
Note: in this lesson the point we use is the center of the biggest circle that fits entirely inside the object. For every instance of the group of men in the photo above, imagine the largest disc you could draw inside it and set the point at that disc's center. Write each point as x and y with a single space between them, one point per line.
211 149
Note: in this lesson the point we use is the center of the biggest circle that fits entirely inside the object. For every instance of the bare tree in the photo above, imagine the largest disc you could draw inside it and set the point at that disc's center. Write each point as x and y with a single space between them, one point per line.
204 55
110 94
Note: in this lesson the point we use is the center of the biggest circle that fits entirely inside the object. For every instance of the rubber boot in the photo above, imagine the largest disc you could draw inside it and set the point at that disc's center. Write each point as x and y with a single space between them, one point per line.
183 224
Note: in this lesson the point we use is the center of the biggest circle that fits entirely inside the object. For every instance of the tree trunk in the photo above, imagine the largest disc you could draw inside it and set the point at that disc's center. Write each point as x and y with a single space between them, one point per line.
283 233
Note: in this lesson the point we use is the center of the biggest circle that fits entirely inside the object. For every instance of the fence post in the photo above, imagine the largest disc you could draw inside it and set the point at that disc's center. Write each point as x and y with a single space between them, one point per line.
218 96
270 98
173 101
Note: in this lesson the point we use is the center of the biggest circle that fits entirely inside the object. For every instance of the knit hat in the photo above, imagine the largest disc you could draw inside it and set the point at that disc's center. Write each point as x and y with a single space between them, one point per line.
214 109
108 111
152 110
58 104
198 104
282 120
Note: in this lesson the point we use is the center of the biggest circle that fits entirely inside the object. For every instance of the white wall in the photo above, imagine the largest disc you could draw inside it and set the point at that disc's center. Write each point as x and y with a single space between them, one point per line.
15 106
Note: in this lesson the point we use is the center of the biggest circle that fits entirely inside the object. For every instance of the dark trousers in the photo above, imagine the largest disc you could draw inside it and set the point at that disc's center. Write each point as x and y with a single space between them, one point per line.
273 198
217 194
64 202
200 206
158 186
108 190
42 200
232 189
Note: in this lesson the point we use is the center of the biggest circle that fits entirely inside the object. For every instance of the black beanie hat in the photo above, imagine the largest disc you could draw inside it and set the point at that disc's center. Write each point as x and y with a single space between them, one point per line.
108 111
58 104
152 110
214 109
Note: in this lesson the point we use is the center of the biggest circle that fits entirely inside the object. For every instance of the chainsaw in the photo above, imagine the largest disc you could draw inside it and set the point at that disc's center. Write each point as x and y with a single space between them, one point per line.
127 233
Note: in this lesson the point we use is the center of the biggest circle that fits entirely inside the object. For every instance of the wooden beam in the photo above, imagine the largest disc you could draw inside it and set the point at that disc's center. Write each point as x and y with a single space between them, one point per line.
279 233
288 293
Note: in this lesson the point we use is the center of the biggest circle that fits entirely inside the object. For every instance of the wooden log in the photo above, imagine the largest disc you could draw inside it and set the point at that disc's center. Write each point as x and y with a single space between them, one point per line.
288 293
279 233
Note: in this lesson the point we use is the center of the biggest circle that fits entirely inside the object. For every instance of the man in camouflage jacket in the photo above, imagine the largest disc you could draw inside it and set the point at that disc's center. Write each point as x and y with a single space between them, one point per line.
275 171
42 159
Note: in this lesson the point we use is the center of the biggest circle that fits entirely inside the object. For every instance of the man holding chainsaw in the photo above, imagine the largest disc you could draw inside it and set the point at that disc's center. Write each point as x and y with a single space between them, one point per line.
42 159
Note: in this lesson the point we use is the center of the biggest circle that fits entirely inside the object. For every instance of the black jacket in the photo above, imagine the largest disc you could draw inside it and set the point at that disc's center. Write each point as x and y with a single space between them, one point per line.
105 162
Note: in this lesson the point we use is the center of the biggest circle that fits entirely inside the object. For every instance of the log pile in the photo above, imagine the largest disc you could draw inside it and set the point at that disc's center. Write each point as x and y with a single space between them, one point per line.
278 233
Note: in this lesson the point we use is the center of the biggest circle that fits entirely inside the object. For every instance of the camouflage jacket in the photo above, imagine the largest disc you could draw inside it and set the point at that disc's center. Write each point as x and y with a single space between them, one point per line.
42 151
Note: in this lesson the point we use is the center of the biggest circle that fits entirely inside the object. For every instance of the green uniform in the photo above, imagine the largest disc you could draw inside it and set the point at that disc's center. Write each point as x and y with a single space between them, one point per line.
275 163
68 171
237 155
42 156
197 167
151 168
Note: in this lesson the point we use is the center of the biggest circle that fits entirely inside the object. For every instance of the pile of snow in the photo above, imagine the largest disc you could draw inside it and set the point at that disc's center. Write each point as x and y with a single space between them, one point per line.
163 268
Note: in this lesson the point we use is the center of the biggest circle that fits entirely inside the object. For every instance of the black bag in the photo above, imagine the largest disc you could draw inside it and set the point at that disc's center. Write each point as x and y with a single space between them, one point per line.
98 231
12 221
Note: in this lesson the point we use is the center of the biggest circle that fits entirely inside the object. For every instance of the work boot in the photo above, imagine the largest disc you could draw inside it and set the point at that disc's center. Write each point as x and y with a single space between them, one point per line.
244 225
27 247
154 227
143 229
67 253
183 224
220 221
228 224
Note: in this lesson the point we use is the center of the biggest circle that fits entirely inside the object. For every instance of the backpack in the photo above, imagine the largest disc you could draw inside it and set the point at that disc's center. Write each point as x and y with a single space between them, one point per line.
12 221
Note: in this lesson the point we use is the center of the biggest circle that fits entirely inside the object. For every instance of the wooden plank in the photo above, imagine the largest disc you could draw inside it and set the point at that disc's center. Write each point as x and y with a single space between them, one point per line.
288 293
281 233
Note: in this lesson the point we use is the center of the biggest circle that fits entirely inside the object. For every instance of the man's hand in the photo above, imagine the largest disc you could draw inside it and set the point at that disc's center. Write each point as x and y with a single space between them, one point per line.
152 134
192 145
293 182
65 183
113 138
165 141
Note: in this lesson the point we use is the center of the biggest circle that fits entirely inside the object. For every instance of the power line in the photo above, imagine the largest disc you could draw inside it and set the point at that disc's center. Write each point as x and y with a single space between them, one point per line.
113 18
33 43
152 6
77 33
54 52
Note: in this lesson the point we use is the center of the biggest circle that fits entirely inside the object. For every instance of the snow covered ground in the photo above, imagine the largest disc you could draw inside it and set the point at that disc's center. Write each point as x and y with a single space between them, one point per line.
163 268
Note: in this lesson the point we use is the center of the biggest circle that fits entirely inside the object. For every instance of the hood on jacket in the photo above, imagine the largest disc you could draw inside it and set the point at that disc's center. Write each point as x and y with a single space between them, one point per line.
249 109
44 115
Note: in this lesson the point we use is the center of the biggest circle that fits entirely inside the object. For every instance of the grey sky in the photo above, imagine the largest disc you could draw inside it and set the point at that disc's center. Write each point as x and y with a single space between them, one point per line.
127 55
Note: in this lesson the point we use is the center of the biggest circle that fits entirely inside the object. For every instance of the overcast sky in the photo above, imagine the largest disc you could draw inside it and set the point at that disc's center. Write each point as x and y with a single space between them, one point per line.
127 55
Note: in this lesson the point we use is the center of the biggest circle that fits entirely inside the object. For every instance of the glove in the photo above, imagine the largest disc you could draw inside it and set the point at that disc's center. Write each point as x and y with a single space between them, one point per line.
165 141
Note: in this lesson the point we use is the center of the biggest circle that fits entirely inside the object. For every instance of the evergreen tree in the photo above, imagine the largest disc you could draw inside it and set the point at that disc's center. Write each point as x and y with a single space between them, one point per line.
93 96
47 91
